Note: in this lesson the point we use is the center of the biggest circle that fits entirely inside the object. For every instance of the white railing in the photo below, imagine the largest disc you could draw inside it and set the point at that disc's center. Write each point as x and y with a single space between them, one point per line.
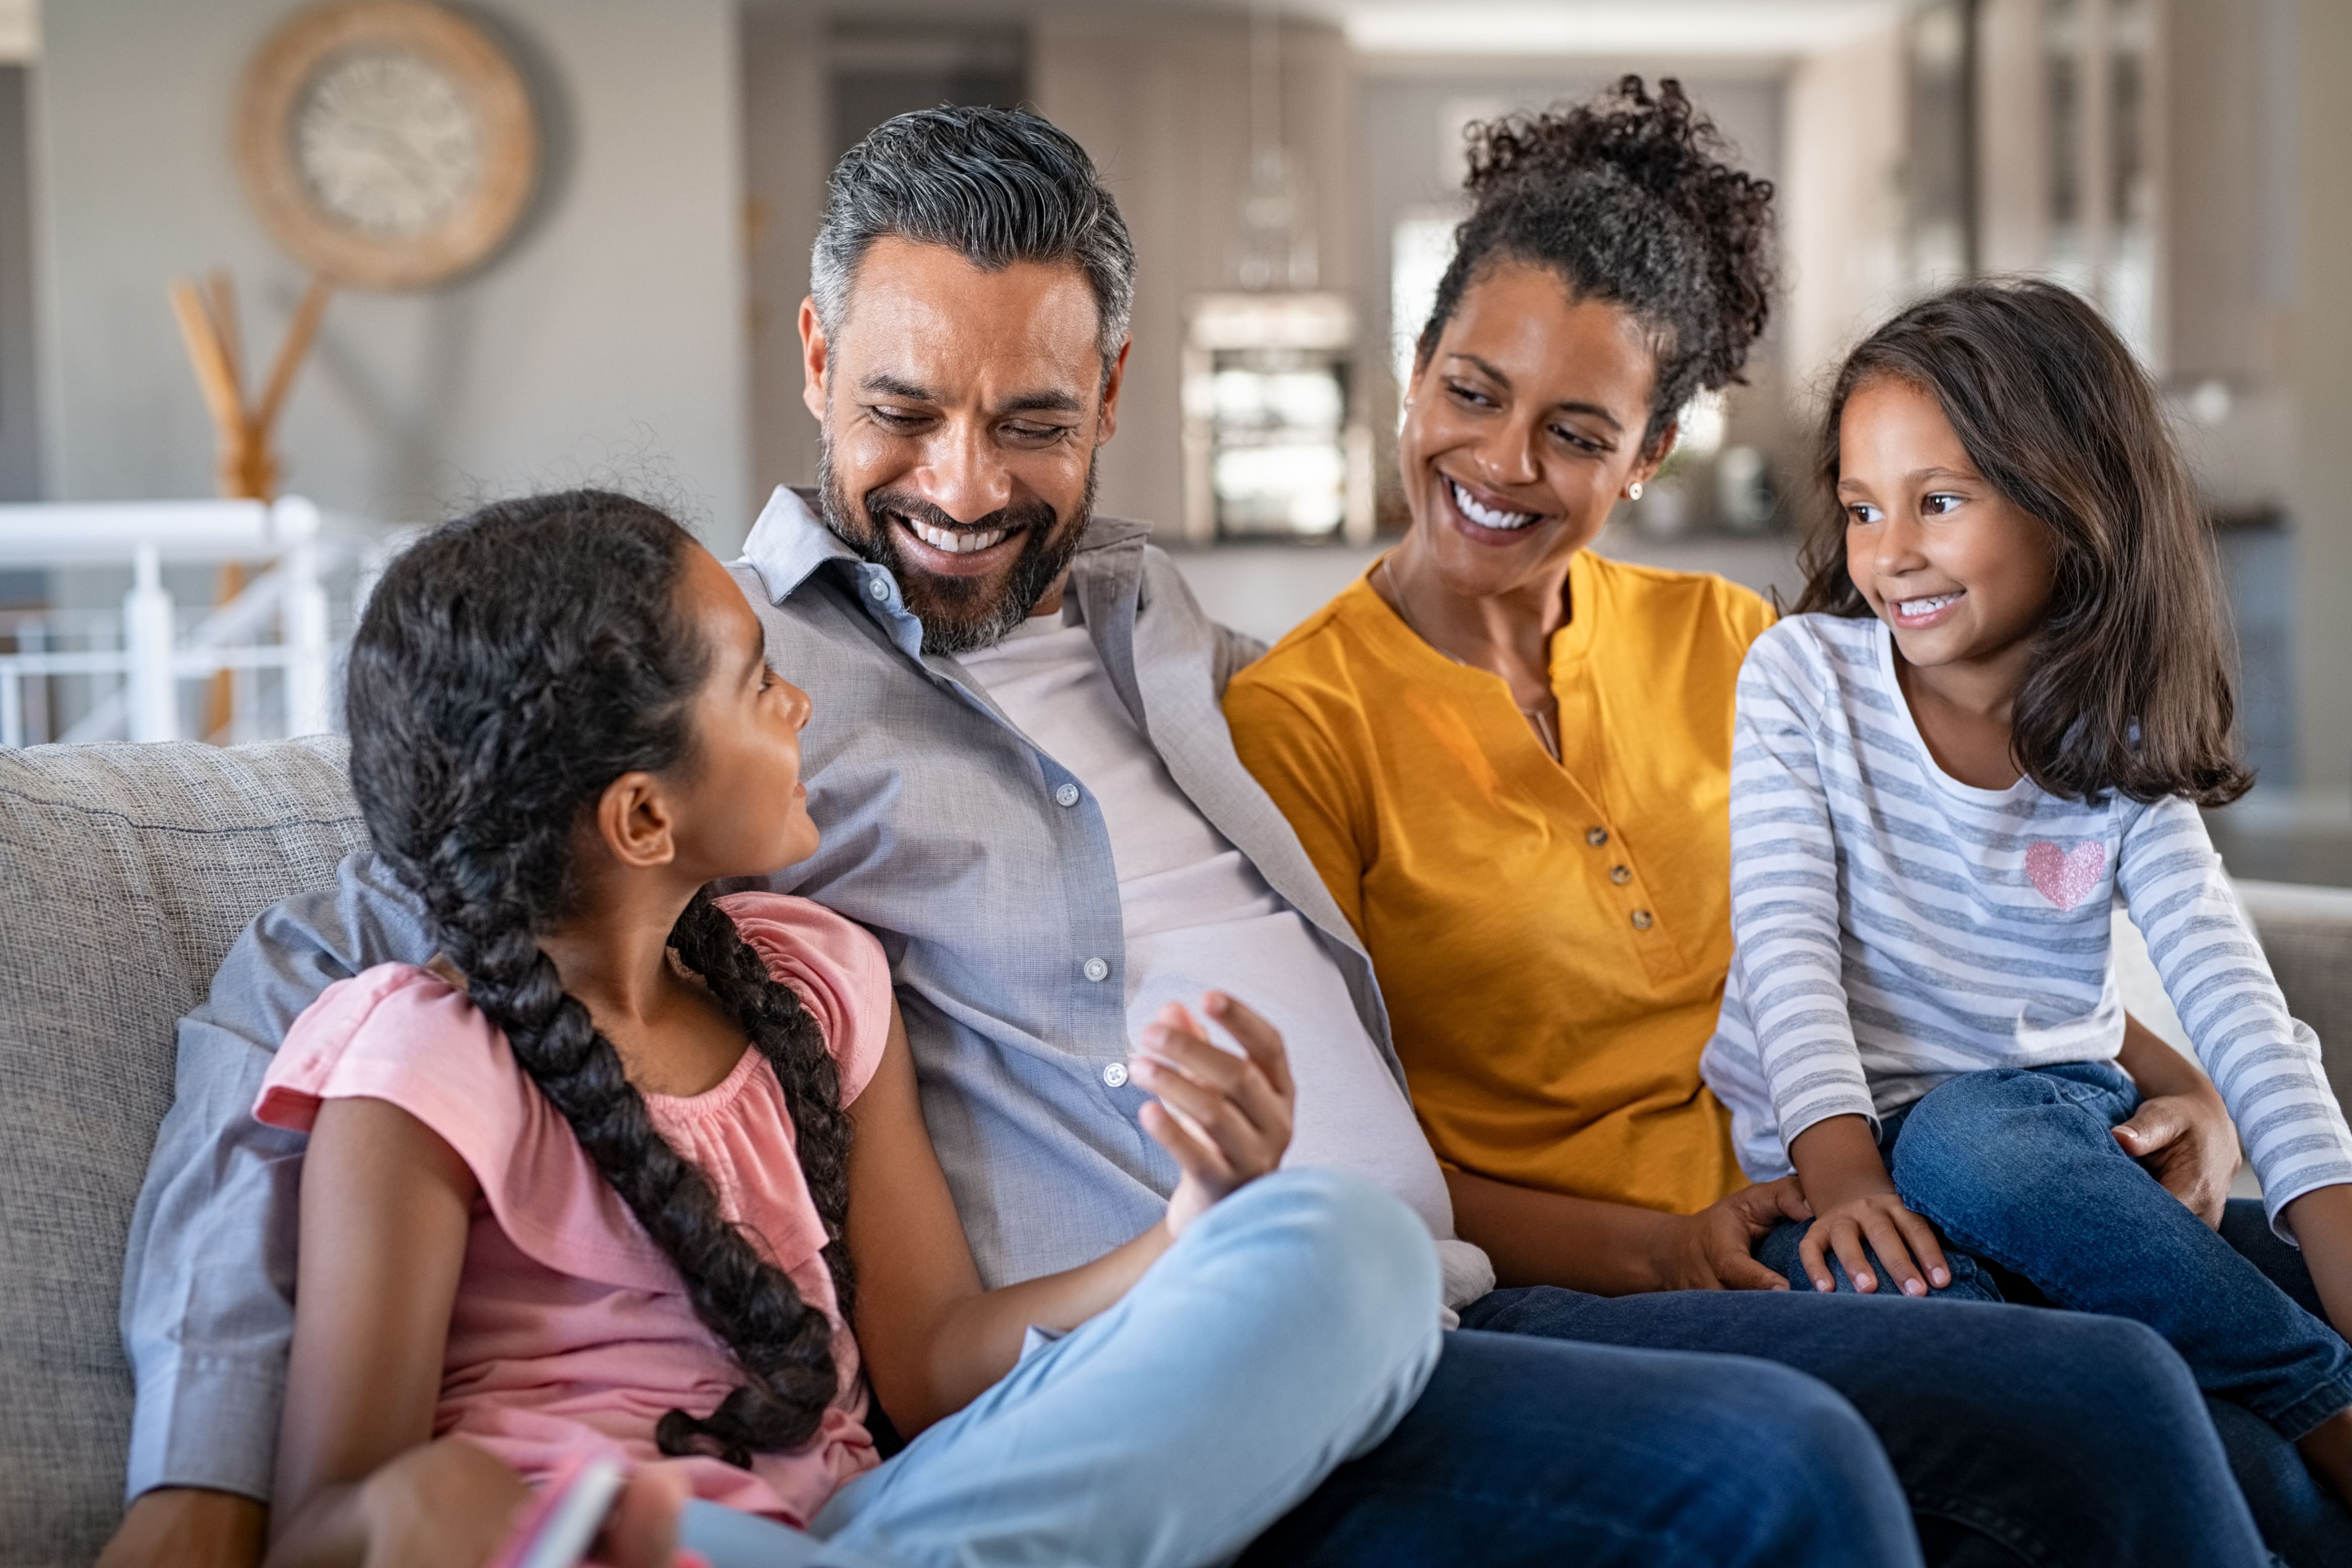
278 621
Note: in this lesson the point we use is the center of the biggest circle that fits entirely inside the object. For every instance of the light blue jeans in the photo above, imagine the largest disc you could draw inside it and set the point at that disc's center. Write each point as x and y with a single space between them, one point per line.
1288 1330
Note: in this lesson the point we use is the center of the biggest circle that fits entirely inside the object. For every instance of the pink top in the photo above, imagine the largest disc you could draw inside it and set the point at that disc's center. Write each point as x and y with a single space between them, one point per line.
571 1334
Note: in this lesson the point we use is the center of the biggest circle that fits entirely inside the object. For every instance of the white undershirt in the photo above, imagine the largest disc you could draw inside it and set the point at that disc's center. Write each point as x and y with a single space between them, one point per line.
1198 916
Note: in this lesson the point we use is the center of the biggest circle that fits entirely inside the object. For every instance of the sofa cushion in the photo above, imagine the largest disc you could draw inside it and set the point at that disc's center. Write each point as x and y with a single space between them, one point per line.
129 870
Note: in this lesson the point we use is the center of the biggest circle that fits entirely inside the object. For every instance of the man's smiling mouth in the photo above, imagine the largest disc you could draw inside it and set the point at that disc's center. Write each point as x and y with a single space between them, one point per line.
953 541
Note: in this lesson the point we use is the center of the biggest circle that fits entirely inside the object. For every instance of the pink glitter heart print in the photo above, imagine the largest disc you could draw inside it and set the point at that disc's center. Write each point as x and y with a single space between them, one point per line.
2065 877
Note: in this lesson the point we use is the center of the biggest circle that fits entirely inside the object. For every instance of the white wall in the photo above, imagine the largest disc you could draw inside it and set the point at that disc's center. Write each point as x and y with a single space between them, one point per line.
607 344
2318 335
1842 220
1160 99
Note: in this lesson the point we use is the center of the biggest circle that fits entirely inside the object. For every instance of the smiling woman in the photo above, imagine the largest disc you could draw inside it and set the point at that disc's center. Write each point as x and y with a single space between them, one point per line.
1509 757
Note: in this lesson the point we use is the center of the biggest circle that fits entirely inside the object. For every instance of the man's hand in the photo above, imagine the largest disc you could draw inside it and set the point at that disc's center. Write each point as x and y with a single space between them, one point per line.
186 1527
1714 1249
1226 1118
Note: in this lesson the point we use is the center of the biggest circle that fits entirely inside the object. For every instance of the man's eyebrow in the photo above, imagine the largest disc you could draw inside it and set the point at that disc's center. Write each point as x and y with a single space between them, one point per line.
1044 402
1494 372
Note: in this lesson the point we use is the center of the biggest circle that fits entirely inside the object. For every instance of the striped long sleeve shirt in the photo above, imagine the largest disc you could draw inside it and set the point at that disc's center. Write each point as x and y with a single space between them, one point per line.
1894 927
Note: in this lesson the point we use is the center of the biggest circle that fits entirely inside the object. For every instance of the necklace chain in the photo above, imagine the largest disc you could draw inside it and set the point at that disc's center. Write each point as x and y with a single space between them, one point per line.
1537 718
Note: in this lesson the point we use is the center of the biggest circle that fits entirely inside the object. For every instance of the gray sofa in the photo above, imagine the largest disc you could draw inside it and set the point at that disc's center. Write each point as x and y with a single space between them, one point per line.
130 870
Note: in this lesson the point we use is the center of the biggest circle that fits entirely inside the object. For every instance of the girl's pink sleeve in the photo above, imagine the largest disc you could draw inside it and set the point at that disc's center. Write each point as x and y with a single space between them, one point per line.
836 968
397 1032
401 1034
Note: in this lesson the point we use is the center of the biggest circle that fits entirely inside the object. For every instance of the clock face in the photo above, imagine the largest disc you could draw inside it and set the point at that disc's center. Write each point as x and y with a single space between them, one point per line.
386 142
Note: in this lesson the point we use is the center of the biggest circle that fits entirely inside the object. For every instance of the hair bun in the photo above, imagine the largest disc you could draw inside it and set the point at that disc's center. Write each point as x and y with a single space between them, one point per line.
1659 143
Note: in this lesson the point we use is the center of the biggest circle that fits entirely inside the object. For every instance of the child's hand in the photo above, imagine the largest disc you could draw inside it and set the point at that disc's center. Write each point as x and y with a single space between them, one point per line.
1226 1116
1894 1232
1855 1204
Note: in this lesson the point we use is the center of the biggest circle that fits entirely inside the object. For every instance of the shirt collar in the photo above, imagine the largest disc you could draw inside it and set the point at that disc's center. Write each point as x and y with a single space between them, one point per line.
789 542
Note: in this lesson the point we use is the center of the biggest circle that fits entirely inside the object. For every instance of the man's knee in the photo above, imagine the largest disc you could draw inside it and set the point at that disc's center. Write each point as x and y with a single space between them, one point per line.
1357 1259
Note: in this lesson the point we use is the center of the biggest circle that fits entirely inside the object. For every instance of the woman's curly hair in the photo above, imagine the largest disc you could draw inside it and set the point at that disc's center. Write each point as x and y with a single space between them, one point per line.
507 669
1629 199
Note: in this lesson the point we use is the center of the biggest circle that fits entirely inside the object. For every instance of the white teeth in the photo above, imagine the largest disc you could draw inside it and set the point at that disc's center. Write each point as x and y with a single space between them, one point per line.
1487 517
1925 606
954 541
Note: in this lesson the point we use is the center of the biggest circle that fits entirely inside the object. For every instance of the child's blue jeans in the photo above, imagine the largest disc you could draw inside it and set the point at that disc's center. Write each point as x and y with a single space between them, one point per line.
2018 1169
1288 1330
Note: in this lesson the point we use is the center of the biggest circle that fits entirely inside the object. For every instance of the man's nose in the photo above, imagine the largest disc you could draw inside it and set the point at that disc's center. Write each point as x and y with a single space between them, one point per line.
964 476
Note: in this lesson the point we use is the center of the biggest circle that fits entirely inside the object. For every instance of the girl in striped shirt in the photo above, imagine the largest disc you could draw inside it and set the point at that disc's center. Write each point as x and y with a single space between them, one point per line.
1999 720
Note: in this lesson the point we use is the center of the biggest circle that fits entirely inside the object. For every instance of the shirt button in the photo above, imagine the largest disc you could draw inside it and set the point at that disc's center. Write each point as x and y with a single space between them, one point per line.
1066 795
877 587
1640 920
1596 837
1115 1075
1619 875
1097 969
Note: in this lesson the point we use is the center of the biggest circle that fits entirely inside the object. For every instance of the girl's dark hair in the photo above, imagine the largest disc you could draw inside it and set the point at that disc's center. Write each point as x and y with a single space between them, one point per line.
508 669
1628 198
2129 689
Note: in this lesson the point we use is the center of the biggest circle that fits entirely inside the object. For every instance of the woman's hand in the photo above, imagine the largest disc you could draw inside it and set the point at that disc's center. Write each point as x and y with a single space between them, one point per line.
1225 1118
2187 1142
1714 1249
2181 1134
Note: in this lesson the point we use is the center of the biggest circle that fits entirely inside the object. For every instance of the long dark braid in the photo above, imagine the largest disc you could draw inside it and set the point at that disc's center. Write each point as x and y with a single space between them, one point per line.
508 667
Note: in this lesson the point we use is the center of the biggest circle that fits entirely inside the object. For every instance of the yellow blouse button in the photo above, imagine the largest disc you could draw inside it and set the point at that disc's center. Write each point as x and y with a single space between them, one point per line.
1596 837
1640 920
1619 875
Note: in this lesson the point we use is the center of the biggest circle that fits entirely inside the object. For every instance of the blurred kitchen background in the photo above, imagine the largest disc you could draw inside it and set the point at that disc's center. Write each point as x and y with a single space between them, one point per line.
1290 174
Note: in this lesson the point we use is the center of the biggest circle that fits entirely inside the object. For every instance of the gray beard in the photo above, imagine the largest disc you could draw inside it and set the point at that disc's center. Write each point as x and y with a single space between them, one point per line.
958 615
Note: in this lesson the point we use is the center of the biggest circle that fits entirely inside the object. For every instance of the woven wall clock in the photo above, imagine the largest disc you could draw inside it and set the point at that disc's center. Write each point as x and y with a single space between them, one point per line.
387 145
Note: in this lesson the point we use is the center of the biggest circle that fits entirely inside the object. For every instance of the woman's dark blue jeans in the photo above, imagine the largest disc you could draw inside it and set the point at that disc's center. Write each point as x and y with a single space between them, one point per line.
2020 1437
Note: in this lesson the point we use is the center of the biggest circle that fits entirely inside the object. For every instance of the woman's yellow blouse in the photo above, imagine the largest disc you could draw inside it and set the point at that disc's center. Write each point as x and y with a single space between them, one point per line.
1551 936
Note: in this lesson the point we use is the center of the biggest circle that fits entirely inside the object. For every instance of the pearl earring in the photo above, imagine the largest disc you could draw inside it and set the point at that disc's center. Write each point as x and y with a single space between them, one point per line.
1633 491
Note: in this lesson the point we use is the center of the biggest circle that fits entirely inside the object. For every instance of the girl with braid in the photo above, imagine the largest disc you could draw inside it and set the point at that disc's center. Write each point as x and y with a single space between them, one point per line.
616 1175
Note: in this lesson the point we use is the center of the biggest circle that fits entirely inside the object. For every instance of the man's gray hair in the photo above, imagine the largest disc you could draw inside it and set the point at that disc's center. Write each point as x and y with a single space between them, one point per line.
998 185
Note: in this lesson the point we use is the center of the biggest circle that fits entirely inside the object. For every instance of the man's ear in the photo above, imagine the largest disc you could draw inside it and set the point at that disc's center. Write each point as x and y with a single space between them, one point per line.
633 819
816 358
1106 423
